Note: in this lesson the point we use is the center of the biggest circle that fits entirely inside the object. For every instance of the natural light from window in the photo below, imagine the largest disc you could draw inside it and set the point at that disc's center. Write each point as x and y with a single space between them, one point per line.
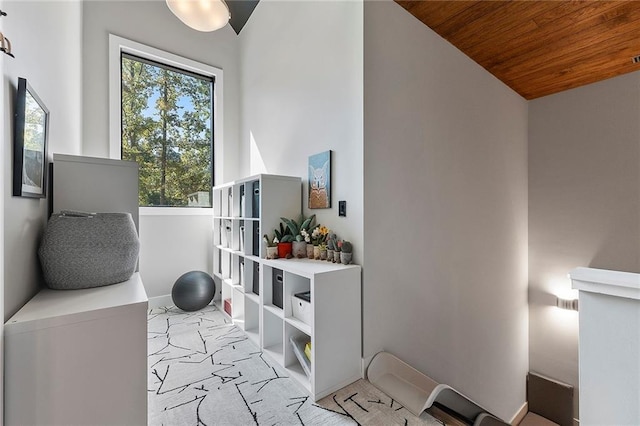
167 128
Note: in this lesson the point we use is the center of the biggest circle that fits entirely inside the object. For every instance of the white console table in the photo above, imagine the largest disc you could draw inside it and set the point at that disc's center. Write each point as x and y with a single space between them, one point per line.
78 357
609 346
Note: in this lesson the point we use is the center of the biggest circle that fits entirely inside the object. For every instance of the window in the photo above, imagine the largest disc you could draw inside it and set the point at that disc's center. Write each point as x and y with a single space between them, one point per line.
165 119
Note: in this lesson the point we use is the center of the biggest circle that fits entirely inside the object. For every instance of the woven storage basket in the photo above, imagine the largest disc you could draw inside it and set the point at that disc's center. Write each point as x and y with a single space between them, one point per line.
88 250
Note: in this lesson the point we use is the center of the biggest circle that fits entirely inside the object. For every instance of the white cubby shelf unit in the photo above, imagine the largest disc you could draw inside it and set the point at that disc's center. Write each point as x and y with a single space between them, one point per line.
247 285
334 328
243 211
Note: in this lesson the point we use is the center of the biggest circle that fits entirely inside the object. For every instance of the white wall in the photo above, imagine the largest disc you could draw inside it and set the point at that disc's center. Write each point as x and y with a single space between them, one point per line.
445 168
301 95
584 206
45 39
167 252
3 94
170 245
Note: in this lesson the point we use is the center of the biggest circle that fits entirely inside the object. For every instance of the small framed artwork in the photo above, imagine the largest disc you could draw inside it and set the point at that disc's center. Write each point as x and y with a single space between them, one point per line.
30 143
320 180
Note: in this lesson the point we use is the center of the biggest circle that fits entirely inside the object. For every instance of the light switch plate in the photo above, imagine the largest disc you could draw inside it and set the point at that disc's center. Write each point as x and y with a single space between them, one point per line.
342 208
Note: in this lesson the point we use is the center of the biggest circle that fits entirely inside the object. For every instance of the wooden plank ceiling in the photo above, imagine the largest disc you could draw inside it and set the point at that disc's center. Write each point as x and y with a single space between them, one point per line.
539 47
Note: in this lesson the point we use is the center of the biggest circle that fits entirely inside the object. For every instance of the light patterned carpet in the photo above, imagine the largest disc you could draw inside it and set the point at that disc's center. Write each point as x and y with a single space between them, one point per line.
205 371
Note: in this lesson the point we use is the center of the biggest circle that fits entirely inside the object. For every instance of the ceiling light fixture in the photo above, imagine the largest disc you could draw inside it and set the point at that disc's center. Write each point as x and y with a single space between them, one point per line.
201 15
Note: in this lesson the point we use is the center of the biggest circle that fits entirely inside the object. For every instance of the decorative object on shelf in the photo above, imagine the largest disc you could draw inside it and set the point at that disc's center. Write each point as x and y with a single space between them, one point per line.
84 250
299 249
300 232
336 253
283 234
193 291
201 15
318 237
323 251
285 239
347 253
320 180
30 143
284 250
272 246
331 246
310 250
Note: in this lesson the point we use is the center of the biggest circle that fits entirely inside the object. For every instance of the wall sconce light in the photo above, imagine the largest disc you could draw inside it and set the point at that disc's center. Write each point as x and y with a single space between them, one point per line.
5 45
569 304
201 15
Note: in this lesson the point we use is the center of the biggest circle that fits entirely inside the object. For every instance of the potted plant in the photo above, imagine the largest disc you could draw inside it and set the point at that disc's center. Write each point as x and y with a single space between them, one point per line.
299 248
284 242
336 252
347 252
307 239
322 250
272 246
318 236
331 246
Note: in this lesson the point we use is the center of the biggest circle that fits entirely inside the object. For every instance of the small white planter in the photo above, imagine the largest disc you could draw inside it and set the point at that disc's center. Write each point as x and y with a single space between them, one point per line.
272 252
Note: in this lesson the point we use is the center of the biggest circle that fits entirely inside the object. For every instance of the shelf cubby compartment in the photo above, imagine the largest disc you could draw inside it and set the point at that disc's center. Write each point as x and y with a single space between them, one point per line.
294 284
227 201
238 309
294 362
217 232
241 235
217 202
237 270
268 290
217 260
226 294
253 197
225 264
272 332
226 233
252 277
252 317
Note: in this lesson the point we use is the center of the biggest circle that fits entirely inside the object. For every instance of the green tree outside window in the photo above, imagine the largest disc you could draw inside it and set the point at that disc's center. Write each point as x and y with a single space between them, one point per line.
167 129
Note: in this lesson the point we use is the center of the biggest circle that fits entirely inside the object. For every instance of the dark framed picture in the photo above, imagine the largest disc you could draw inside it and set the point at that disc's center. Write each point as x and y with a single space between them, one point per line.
31 129
320 180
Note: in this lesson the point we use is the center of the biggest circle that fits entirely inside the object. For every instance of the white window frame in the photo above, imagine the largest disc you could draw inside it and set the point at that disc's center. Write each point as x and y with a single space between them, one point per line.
116 46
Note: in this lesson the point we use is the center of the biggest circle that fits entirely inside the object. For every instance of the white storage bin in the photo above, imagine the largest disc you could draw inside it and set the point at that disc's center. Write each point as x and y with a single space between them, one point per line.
301 304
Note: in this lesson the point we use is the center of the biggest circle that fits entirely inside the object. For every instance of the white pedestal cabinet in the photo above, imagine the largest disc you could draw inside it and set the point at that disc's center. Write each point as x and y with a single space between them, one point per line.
247 281
78 357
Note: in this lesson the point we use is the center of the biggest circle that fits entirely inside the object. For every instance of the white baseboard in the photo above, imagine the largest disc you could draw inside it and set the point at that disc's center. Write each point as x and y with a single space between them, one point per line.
160 301
517 418
365 364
